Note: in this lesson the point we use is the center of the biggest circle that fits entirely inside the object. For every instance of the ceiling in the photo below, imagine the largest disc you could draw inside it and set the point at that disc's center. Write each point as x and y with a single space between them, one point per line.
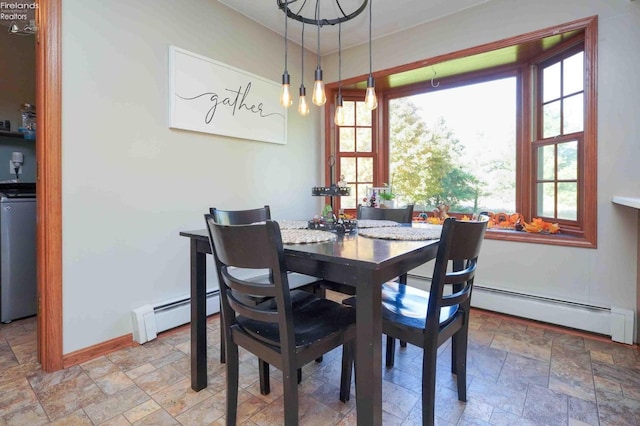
388 17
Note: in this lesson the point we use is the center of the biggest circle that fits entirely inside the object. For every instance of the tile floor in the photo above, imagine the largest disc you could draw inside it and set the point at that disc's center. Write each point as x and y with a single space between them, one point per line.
519 372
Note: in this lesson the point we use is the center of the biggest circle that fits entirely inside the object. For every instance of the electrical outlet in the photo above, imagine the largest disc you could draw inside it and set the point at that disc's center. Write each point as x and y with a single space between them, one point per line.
12 169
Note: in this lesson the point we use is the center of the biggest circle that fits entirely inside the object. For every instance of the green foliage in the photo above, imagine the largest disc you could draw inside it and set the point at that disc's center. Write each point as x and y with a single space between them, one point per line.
424 160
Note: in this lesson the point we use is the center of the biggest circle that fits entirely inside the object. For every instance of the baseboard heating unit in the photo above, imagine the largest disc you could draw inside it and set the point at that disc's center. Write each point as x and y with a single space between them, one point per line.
150 320
615 322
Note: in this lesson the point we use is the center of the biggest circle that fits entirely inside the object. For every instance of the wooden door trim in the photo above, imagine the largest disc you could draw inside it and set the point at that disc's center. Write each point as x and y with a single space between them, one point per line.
49 187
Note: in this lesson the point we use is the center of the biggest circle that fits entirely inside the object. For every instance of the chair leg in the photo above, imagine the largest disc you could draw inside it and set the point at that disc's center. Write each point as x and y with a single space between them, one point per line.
290 387
429 385
347 369
222 338
461 363
391 349
232 384
299 374
454 354
263 372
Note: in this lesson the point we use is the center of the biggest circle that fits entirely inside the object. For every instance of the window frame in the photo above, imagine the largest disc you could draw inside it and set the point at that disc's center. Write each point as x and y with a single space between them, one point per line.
584 232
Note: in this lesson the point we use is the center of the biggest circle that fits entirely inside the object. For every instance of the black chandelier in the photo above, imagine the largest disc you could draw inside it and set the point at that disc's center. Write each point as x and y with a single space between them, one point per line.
291 11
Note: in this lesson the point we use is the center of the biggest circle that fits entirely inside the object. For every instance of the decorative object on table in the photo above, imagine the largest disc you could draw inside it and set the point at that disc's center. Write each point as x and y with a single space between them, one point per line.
380 197
386 197
429 232
338 226
332 190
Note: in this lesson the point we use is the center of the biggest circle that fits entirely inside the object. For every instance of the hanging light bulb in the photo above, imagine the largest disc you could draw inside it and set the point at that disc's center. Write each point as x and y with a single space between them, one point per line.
303 106
285 96
319 97
339 118
370 98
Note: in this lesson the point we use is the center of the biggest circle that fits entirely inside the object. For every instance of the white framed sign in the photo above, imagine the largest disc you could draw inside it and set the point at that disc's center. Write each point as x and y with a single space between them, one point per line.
211 97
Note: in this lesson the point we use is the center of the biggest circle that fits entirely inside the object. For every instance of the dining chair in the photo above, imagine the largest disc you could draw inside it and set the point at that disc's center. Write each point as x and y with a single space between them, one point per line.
298 281
401 215
285 334
429 319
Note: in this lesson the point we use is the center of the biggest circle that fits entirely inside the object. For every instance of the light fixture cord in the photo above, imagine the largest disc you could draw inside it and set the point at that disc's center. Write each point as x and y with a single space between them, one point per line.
286 20
318 25
302 50
339 59
370 57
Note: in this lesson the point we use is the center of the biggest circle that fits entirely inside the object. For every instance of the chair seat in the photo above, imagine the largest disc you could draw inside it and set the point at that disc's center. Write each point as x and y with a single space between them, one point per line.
407 306
307 329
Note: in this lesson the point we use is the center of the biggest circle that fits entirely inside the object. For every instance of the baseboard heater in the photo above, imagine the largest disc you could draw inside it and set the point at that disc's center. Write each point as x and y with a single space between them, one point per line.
615 322
150 320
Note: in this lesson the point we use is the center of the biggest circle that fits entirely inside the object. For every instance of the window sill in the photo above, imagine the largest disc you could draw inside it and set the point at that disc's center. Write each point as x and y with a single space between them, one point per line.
549 239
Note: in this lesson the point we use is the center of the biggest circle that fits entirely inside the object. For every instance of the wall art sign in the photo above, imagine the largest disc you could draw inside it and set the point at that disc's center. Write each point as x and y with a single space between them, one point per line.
211 97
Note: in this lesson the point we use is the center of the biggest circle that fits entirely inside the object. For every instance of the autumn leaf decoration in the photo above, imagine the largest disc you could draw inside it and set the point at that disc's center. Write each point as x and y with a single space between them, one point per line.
516 221
539 226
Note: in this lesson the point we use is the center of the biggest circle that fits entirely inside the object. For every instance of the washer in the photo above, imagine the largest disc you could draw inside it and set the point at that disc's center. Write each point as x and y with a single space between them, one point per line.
18 278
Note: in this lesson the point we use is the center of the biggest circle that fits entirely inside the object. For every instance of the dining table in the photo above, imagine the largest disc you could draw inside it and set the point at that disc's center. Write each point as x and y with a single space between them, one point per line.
360 262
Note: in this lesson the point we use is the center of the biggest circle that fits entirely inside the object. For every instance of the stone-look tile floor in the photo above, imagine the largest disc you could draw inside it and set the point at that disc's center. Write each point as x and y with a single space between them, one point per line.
519 372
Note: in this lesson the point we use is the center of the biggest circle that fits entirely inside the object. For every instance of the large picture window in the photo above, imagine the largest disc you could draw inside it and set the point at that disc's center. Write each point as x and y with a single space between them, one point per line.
507 129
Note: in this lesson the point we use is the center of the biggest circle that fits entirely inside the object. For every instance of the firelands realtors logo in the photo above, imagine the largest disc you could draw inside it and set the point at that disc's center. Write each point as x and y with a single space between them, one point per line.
15 11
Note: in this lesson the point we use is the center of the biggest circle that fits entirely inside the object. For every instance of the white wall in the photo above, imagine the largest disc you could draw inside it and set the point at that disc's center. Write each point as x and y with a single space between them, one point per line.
127 191
130 183
605 276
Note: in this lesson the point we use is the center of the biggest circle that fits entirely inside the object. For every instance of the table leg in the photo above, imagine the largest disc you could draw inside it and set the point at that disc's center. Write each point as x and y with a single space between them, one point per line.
369 350
198 318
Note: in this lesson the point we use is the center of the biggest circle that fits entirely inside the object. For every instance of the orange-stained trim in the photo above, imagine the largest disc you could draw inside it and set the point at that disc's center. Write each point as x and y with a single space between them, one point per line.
49 165
100 349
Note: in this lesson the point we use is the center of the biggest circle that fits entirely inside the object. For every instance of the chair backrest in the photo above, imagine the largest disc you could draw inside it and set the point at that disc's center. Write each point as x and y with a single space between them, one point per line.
240 217
400 215
455 266
255 246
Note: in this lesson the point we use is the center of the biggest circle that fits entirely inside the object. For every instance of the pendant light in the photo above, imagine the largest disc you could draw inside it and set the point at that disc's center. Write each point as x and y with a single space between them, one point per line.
319 96
303 106
285 96
370 98
308 13
339 118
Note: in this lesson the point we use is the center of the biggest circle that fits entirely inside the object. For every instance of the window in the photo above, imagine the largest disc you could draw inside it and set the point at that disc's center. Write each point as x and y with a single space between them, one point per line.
560 105
455 144
534 151
356 151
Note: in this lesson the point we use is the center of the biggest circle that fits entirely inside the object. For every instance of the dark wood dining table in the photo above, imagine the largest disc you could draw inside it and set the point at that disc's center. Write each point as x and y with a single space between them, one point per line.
356 261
